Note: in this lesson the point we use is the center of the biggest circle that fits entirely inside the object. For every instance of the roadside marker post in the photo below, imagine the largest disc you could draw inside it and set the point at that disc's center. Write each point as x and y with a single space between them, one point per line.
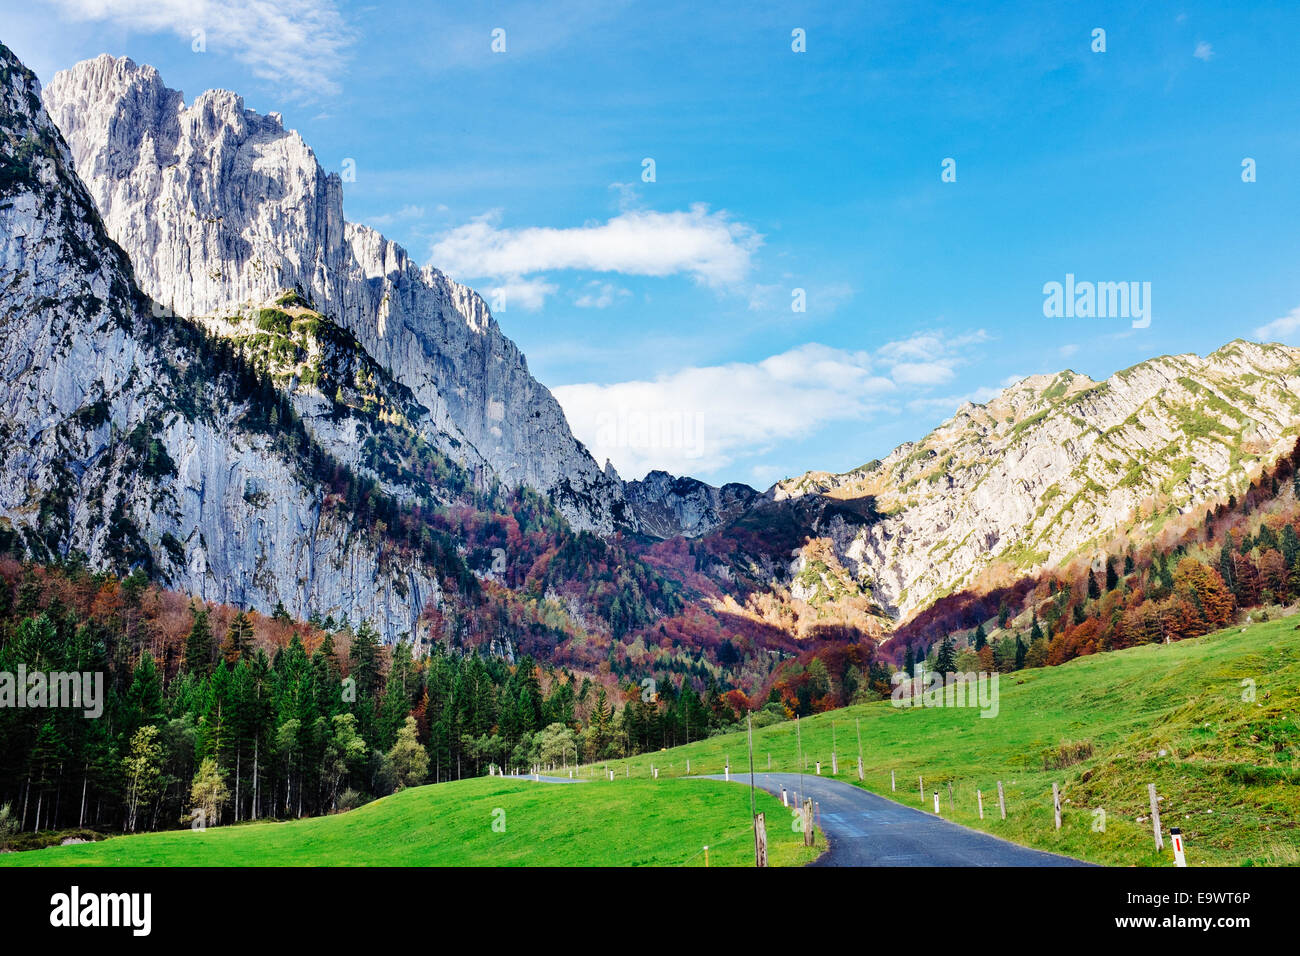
785 800
1176 836
893 787
819 768
1155 816
706 856
979 798
1056 803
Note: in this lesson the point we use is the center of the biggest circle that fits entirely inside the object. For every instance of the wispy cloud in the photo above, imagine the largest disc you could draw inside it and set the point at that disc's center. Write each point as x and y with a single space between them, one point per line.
1203 51
299 45
1287 327
708 246
527 294
600 295
699 419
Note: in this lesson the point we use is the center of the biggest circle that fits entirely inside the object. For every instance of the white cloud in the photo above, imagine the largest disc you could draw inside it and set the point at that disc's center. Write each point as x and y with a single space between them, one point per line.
698 419
600 295
928 358
706 245
527 294
296 44
1203 51
406 212
1067 350
1281 329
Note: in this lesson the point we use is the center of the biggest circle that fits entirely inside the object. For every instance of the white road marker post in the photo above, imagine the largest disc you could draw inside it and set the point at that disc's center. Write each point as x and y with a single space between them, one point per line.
936 803
785 799
1176 835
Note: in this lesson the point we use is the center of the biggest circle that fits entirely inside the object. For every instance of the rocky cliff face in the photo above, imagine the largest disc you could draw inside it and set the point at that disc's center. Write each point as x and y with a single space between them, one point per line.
220 208
1055 465
666 506
122 439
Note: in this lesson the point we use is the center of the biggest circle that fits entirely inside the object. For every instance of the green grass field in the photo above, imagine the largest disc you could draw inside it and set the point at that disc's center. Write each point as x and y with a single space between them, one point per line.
1173 715
628 823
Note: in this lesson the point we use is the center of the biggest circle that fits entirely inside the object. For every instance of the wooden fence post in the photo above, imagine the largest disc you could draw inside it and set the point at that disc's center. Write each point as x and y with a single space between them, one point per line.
760 841
893 787
951 805
1056 803
807 822
979 798
1155 816
1002 801
920 783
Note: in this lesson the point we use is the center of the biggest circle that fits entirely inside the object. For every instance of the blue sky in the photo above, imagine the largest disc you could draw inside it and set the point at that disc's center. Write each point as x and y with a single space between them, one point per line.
660 312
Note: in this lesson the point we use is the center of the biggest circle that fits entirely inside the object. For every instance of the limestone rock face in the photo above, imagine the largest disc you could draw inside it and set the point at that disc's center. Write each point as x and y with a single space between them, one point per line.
1055 465
219 207
666 506
121 440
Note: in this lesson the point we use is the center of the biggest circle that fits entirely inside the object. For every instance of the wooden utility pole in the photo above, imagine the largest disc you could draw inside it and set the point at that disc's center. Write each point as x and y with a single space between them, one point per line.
808 822
1155 816
760 841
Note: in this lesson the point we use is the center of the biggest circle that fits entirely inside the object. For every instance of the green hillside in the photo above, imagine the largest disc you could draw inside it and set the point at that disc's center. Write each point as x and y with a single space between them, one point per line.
627 823
1172 715
1102 726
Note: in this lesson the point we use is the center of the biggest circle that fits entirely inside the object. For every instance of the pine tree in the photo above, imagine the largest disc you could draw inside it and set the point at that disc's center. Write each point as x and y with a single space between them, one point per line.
1094 591
946 661
239 640
981 638
198 646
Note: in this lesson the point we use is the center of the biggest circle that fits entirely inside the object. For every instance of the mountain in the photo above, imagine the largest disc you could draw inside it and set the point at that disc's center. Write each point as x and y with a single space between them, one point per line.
1055 465
220 209
143 443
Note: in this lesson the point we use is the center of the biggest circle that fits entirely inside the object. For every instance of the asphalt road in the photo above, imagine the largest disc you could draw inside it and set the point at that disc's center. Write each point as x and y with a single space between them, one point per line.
868 830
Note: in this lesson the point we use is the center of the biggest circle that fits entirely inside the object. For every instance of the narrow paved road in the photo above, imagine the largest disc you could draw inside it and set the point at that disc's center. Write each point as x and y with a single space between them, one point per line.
868 830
